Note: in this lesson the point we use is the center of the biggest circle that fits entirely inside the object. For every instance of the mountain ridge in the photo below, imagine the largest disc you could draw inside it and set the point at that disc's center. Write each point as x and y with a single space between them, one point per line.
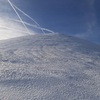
49 67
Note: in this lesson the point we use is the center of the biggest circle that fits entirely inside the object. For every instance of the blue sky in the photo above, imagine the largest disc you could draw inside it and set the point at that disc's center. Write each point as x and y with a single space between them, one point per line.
79 18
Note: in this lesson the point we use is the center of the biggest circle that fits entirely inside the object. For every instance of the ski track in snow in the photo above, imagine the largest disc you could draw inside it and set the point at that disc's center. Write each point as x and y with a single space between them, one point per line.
49 67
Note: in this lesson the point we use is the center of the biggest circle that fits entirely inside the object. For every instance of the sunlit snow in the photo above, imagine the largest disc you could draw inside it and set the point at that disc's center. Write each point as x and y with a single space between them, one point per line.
44 66
49 67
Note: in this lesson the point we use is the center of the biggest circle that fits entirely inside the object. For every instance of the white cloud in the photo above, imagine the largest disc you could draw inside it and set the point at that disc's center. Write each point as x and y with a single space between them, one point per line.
91 21
12 24
9 28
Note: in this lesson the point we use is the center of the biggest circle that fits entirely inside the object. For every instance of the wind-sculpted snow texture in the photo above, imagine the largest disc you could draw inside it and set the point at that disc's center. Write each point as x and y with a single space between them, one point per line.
49 67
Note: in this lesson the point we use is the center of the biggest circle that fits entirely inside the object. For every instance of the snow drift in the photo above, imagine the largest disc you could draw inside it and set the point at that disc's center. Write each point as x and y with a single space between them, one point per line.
49 67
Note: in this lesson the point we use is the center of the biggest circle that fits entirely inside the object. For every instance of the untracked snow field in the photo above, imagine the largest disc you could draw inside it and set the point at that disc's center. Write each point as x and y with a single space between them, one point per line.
49 67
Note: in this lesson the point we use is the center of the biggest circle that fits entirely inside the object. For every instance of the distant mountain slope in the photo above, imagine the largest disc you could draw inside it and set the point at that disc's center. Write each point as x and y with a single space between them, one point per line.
49 67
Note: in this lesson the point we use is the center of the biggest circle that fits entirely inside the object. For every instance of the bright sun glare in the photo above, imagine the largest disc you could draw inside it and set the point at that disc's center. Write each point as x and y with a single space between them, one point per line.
11 27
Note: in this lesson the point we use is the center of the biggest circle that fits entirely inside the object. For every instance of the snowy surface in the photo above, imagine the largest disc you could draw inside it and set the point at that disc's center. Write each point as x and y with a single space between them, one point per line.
49 67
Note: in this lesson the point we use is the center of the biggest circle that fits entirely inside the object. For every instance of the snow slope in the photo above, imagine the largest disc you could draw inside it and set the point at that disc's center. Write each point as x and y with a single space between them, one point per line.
49 67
